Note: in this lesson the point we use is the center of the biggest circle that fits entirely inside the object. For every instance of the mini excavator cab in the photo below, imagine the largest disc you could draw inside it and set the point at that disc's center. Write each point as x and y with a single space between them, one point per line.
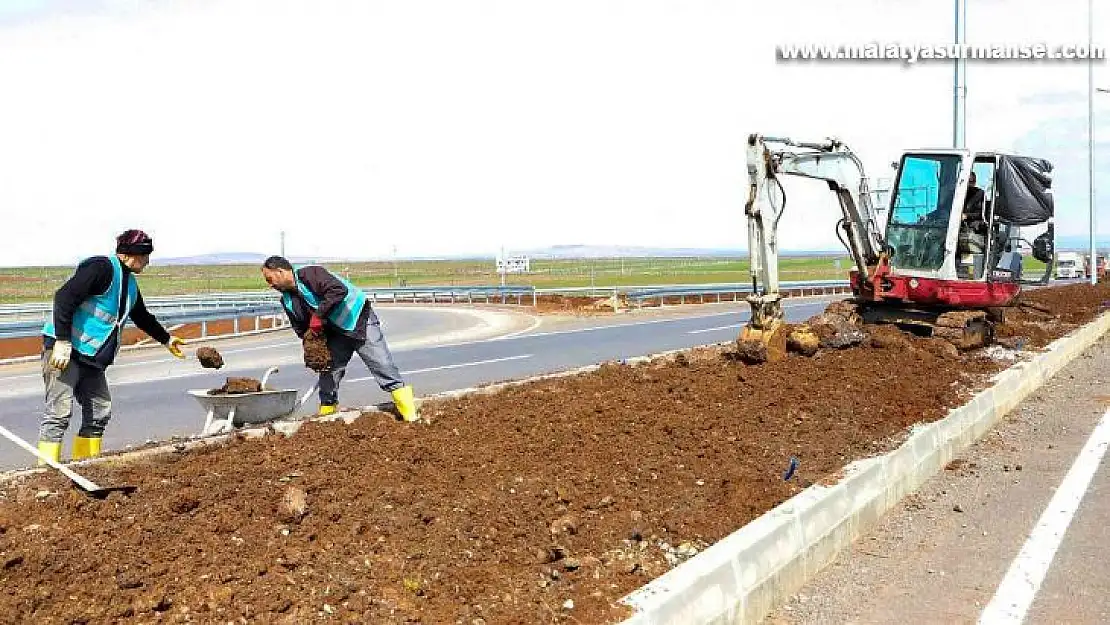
954 217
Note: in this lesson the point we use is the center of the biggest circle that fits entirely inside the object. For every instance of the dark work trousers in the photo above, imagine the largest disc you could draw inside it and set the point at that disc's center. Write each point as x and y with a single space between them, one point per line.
80 383
374 353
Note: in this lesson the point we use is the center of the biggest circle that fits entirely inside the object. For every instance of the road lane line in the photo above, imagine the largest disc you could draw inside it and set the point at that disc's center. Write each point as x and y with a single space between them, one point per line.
454 366
1015 594
513 336
728 327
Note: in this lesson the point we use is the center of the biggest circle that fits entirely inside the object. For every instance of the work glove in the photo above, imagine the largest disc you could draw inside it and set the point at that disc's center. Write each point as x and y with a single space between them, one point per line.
173 344
316 325
60 355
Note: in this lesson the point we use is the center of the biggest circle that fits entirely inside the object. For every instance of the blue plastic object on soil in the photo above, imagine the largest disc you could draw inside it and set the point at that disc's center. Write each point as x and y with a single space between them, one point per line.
791 469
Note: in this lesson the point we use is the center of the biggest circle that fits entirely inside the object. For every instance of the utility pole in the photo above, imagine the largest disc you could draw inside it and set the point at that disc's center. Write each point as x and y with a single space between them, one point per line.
959 79
1091 136
283 243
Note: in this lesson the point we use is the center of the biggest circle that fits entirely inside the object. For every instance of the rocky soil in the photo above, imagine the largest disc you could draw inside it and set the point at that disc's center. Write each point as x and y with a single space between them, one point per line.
546 502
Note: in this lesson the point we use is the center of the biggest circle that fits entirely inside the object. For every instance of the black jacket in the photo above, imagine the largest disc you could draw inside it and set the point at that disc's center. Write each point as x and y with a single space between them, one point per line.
329 292
93 277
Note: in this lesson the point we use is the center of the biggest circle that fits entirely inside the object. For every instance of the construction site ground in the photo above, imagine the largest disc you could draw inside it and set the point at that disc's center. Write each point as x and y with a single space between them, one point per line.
546 502
942 555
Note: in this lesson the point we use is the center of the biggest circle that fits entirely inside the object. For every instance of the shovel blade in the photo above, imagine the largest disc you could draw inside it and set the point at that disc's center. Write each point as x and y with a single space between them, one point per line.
104 491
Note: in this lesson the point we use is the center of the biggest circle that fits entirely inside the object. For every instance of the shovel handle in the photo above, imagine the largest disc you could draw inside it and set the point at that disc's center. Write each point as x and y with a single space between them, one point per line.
80 481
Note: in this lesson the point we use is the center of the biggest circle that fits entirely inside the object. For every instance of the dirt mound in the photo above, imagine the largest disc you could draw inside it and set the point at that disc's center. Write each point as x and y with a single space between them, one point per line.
1042 315
316 354
236 386
508 507
209 358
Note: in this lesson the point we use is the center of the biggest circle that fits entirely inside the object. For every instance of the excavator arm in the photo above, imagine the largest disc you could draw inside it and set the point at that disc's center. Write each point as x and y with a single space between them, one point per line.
830 161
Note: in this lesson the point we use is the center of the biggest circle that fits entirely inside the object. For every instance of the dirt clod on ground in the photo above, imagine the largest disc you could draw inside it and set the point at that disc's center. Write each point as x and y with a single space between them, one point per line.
237 386
505 508
316 354
209 358
803 341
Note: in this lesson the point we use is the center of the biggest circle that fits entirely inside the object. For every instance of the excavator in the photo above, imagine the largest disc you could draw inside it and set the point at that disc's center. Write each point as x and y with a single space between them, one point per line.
948 260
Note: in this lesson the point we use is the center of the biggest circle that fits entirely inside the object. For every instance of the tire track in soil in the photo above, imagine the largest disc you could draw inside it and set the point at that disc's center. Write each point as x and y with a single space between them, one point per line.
502 510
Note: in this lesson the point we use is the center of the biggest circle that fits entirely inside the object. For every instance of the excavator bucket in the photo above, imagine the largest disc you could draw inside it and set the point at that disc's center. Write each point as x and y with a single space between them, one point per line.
758 345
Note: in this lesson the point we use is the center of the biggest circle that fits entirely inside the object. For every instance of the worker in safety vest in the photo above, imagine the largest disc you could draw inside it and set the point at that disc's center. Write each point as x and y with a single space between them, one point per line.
319 301
82 338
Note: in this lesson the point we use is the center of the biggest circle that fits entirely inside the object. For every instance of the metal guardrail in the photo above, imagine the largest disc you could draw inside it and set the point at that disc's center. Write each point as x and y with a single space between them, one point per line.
33 327
23 320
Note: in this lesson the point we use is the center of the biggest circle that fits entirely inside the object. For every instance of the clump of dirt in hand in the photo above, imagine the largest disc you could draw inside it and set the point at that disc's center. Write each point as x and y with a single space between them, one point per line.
235 386
316 354
210 358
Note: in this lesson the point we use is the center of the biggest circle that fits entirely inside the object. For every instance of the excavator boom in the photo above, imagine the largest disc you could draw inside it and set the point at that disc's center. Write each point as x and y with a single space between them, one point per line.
830 161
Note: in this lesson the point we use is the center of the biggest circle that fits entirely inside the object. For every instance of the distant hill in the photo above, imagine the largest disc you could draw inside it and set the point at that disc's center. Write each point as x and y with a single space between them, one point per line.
233 258
552 252
1080 243
1070 242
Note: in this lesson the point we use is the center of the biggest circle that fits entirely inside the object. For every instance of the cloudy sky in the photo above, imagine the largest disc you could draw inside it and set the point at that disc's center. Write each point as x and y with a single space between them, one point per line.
447 126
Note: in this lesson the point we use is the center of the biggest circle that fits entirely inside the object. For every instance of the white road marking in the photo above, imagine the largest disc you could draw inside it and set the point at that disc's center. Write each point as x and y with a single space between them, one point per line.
1015 594
512 336
454 366
728 327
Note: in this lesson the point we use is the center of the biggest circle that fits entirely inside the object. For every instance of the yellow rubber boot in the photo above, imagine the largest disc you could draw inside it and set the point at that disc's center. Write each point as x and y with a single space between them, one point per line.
50 450
402 398
84 447
327 410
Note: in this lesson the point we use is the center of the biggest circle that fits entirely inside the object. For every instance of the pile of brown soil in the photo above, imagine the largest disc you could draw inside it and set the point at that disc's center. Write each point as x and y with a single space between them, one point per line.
546 502
1042 315
209 358
576 305
316 354
235 386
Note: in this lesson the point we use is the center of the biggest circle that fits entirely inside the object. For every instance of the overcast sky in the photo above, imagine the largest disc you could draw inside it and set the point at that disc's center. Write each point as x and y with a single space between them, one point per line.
448 126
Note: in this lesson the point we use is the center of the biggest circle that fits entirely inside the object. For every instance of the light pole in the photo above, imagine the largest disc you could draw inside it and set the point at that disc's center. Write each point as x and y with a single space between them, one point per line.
1091 136
959 78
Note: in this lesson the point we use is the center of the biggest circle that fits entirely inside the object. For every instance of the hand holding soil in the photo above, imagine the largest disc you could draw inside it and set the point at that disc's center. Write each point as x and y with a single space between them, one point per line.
316 354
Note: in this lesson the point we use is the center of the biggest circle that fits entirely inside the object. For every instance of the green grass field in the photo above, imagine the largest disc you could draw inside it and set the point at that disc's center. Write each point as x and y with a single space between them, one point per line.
29 284
37 284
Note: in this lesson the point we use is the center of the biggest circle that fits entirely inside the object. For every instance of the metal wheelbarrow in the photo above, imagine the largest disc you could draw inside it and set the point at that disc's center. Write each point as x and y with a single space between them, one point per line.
228 411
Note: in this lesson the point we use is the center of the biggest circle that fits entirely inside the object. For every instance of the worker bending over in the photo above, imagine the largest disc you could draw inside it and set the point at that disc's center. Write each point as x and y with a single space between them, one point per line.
317 300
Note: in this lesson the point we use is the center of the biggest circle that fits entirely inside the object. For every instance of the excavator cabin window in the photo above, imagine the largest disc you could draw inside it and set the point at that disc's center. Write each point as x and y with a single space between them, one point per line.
921 209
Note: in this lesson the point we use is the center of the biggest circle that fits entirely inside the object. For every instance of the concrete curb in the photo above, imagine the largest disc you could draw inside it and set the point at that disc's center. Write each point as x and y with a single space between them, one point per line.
743 577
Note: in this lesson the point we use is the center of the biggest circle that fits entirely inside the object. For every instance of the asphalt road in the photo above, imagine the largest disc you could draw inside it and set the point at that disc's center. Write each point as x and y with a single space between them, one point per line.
437 350
1014 531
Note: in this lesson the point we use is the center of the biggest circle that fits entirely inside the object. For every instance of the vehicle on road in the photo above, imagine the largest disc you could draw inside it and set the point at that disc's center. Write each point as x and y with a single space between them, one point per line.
1070 265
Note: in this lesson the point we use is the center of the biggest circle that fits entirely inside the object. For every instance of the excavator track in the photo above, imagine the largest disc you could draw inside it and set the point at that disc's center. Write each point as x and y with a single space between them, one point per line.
967 329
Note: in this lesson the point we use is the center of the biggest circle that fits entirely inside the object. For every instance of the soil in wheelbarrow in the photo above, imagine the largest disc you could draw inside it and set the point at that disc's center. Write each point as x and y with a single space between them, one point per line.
546 502
237 386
